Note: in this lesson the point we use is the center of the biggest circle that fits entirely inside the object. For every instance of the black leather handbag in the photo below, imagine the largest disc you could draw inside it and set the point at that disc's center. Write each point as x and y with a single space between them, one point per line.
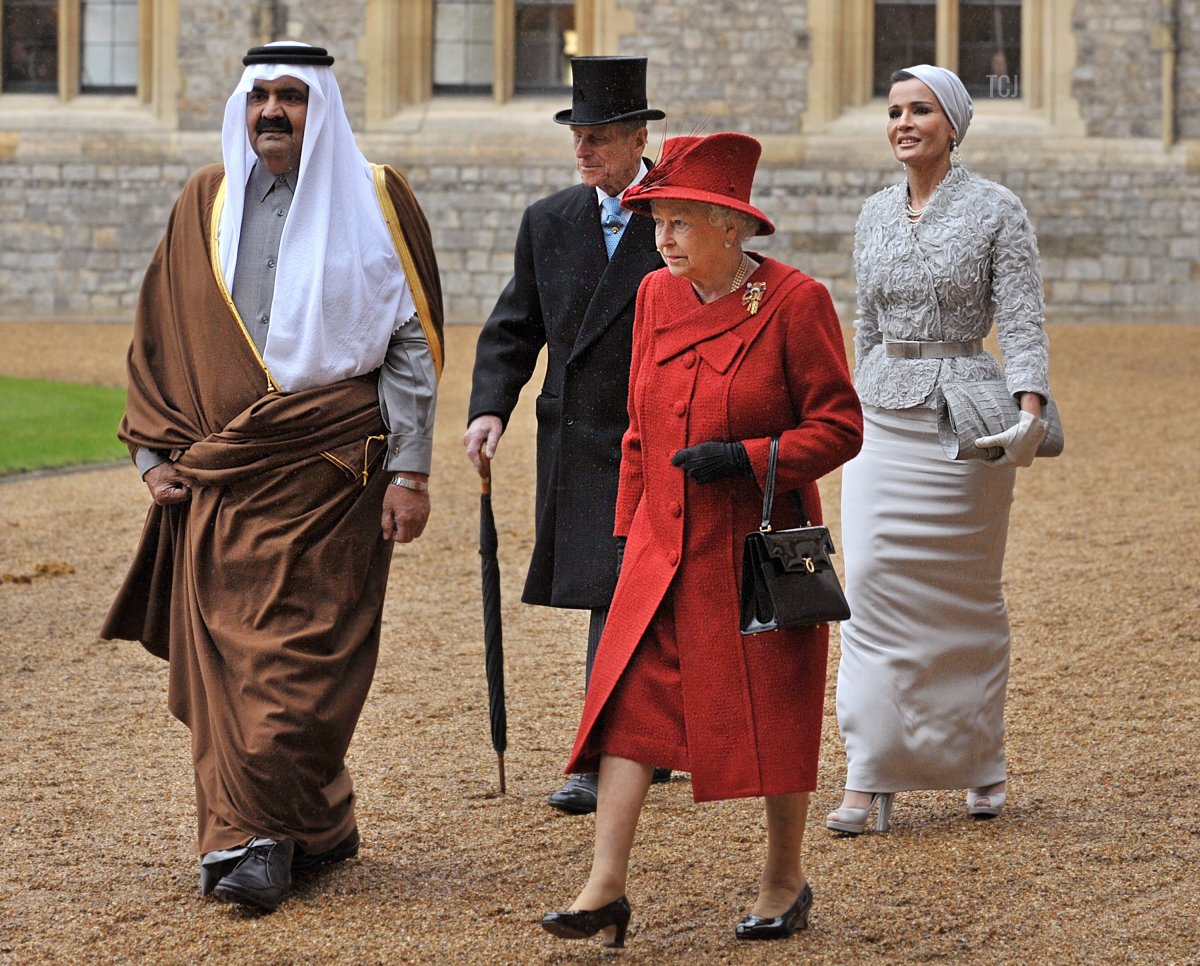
788 579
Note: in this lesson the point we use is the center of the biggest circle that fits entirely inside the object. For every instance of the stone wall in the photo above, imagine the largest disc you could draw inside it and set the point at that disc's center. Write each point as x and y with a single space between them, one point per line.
82 205
1118 225
77 228
724 65
336 25
213 36
1117 80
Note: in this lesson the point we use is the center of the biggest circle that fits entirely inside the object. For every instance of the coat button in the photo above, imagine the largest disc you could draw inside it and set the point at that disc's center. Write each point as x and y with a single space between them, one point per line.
674 558
570 420
675 508
680 409
689 360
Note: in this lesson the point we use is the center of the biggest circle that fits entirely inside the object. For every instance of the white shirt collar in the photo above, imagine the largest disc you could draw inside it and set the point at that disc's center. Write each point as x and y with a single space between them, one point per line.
601 194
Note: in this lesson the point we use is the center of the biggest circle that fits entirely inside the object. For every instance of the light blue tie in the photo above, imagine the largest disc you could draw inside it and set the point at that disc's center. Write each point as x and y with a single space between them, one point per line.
611 222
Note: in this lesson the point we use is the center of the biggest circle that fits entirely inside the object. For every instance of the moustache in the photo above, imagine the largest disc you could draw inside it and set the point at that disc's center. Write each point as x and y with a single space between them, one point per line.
281 124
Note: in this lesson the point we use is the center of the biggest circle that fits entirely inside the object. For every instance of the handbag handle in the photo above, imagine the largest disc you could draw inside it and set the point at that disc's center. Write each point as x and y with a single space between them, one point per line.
769 491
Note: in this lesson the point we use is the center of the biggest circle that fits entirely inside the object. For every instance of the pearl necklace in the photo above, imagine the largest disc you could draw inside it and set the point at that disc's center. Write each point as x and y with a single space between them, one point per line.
743 270
915 213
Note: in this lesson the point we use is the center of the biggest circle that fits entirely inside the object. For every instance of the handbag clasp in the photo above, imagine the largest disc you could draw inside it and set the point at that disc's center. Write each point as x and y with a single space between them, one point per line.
809 565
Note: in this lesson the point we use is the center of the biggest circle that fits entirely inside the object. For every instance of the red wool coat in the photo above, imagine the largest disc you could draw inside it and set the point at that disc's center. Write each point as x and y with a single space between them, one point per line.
752 705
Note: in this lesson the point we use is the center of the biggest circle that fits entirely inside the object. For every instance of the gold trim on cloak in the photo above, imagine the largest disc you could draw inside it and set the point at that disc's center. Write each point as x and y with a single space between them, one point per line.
420 299
215 257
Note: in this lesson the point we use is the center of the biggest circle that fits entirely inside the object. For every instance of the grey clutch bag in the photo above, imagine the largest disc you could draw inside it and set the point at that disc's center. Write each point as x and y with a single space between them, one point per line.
969 410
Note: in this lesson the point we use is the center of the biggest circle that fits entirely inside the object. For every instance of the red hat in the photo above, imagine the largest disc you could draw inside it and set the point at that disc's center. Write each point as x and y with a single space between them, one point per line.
718 170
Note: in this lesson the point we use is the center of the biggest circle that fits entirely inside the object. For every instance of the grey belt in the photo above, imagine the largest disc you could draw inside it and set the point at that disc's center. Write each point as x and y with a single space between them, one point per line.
899 349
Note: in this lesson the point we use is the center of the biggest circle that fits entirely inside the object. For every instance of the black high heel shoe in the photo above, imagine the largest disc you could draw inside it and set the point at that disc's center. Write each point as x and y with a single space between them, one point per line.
779 927
579 924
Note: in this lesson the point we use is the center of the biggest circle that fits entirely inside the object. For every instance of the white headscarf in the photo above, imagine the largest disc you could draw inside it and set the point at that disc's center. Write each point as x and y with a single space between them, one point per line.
951 94
340 290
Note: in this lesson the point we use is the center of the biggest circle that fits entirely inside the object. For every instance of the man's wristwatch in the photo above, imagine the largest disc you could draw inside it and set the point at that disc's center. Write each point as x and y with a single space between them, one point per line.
408 484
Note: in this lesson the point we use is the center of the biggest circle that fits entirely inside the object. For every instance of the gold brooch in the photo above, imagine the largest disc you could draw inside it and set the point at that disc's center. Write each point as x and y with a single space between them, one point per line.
755 291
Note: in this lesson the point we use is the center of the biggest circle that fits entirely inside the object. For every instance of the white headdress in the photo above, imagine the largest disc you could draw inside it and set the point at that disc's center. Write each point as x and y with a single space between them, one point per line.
340 290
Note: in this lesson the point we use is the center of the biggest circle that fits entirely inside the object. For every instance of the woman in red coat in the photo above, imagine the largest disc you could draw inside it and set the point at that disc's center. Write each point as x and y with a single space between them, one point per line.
730 350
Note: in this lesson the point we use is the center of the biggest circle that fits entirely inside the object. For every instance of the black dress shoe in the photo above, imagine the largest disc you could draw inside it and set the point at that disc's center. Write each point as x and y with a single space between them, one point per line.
660 776
779 927
577 796
262 878
347 848
578 924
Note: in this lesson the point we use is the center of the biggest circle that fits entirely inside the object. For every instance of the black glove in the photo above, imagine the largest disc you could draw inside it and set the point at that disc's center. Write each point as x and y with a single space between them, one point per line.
713 461
620 553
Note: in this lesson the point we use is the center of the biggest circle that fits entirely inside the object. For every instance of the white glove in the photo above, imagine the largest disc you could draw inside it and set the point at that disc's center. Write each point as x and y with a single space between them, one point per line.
1020 442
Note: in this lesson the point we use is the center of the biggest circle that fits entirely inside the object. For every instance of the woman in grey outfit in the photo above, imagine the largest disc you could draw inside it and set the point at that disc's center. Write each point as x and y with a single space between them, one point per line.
940 258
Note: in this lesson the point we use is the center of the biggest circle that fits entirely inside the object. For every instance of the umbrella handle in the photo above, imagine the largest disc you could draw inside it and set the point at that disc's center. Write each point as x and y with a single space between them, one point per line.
485 474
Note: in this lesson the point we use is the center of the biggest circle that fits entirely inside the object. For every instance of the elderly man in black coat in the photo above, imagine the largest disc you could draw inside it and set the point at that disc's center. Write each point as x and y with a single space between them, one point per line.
578 263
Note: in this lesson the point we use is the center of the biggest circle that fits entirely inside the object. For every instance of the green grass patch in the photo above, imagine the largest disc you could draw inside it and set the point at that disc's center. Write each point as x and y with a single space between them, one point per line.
46 424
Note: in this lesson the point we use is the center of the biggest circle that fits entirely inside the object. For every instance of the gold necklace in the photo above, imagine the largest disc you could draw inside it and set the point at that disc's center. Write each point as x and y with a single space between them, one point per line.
740 277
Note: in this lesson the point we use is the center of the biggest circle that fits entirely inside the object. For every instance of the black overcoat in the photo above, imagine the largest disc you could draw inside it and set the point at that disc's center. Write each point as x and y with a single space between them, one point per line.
566 295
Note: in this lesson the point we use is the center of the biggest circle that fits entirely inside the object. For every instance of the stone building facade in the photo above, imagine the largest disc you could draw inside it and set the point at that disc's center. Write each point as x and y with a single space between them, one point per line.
1102 145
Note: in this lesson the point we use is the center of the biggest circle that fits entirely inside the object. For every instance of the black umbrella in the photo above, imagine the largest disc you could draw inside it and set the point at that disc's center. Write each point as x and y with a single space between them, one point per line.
493 631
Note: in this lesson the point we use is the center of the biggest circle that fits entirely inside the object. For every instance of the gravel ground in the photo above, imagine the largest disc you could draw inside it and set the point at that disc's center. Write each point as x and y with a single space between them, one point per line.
1093 861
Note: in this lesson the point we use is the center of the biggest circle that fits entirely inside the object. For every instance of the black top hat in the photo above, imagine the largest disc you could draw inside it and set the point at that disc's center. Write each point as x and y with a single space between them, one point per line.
607 89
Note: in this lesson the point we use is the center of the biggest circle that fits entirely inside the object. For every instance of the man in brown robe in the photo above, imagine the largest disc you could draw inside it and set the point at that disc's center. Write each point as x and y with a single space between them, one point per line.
280 409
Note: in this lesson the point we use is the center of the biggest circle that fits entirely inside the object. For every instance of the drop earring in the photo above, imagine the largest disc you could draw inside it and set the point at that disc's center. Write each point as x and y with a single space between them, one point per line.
955 158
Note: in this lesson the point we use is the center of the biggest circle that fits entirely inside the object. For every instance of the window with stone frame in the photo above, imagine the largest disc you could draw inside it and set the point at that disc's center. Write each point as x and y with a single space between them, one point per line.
984 35
503 46
108 39
545 40
69 47
462 46
904 34
1015 56
989 47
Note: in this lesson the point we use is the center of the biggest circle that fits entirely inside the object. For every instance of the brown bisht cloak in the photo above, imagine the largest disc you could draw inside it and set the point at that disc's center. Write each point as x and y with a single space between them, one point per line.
265 591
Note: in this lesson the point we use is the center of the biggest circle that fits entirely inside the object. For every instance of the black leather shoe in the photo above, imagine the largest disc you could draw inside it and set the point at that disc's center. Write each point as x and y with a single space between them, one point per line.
262 878
347 848
779 927
660 776
578 924
577 796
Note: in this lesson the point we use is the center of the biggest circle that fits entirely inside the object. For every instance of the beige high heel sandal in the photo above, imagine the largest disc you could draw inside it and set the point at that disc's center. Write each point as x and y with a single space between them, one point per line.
985 803
853 821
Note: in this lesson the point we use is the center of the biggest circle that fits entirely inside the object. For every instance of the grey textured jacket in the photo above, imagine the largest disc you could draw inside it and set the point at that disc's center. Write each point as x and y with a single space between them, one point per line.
970 261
